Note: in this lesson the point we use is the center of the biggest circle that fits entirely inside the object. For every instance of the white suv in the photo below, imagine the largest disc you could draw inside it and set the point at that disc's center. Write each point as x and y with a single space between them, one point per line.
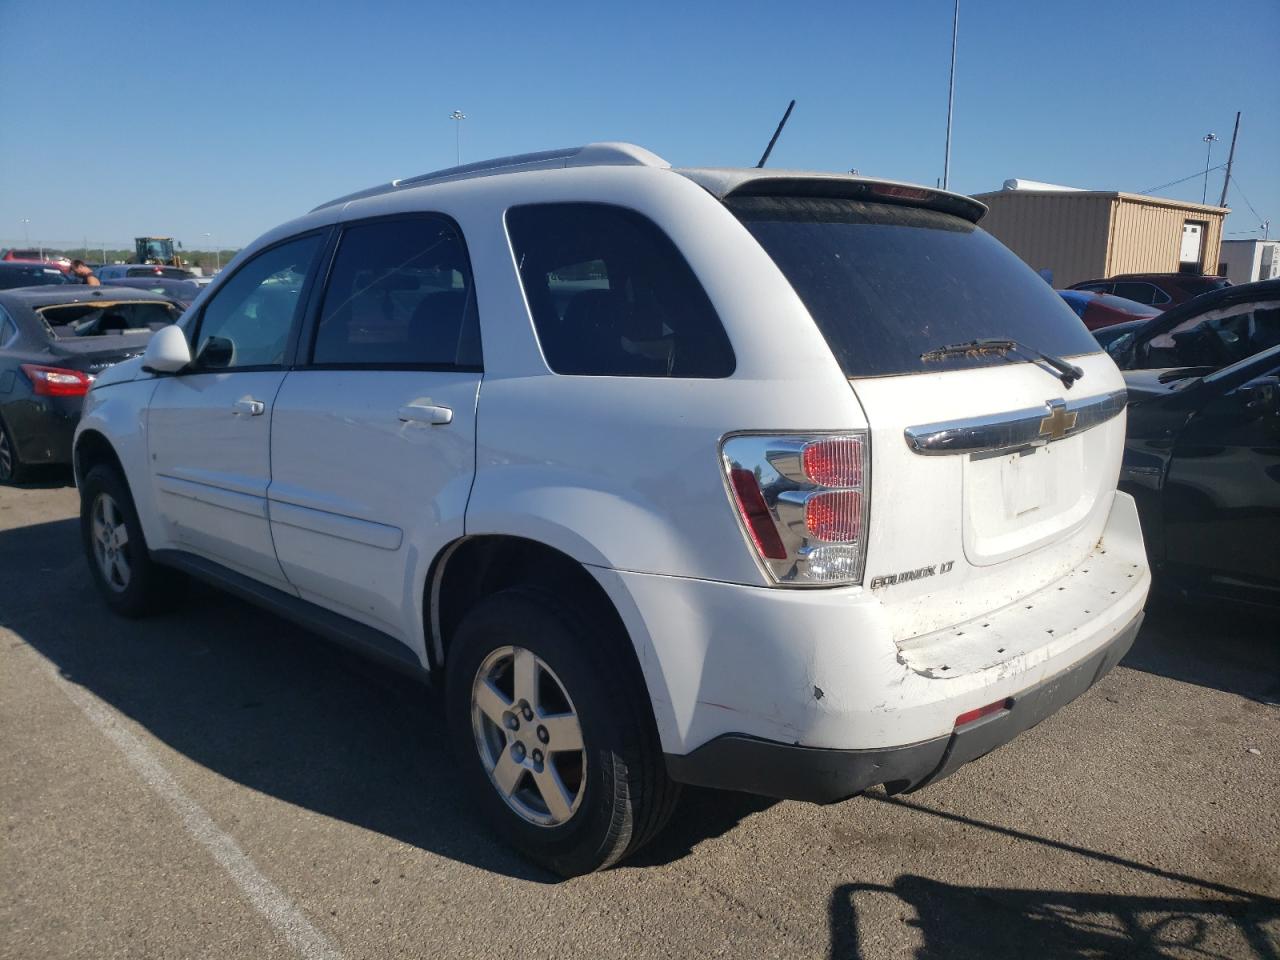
775 482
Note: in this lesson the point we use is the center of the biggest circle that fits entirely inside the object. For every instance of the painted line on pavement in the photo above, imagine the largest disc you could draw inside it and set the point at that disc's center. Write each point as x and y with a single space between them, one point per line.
268 899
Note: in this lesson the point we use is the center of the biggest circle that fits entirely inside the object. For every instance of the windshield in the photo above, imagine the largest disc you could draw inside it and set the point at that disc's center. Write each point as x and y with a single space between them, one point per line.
886 284
100 319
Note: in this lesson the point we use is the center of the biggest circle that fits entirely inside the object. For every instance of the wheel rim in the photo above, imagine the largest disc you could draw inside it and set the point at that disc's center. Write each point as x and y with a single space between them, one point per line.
529 737
111 543
6 456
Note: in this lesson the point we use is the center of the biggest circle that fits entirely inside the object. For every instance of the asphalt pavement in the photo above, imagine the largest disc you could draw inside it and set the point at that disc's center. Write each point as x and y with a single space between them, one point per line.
215 782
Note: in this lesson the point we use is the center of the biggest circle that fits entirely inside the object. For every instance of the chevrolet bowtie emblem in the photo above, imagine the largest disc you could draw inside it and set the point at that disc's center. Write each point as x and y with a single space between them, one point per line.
1058 422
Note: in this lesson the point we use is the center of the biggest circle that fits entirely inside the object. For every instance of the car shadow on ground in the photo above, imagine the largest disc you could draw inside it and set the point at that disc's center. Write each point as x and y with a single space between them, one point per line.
1221 645
275 708
957 922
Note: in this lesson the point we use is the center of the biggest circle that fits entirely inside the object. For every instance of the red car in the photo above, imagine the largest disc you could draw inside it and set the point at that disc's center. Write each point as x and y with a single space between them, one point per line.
1162 290
13 254
1099 310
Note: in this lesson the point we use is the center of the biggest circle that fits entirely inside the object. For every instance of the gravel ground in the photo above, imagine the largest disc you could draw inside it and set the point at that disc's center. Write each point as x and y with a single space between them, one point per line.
218 783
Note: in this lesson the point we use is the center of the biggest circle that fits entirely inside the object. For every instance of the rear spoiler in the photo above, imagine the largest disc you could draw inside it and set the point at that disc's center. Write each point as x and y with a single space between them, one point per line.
725 183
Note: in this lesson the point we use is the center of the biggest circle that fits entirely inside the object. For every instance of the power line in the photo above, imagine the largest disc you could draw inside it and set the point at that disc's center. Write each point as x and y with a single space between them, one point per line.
1174 183
1240 191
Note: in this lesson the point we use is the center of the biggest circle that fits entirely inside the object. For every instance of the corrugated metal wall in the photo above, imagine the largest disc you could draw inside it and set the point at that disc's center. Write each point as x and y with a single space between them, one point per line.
1063 232
1080 236
1146 237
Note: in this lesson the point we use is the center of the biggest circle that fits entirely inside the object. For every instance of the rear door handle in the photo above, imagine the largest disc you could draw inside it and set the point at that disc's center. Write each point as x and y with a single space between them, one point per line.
424 411
248 407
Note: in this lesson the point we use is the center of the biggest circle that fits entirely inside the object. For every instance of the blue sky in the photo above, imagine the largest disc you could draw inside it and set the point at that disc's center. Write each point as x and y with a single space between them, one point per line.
227 118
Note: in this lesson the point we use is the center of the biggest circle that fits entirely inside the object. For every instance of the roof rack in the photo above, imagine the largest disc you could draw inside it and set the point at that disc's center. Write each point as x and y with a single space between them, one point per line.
591 155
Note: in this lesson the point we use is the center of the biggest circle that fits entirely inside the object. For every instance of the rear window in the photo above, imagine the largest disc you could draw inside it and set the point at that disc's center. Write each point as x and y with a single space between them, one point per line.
14 277
99 319
886 284
611 296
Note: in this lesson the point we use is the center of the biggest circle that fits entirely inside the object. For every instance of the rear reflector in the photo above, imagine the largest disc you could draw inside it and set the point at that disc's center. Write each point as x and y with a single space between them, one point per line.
834 517
755 514
56 382
988 710
836 462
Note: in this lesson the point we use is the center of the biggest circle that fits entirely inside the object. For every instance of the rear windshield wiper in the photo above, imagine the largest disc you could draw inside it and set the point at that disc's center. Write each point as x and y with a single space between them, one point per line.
1068 372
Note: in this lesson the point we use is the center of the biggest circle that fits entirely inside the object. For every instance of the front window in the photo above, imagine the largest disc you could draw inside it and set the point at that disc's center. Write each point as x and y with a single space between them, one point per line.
887 283
250 318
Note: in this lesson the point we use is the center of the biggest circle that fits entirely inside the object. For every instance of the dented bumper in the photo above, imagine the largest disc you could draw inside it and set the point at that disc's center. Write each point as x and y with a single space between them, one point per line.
790 772
775 678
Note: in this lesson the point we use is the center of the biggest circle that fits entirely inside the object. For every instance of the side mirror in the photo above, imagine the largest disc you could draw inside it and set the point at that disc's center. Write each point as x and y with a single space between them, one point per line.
167 351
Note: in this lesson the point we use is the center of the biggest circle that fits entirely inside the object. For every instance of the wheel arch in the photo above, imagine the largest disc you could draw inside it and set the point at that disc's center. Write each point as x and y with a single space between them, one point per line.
474 567
91 449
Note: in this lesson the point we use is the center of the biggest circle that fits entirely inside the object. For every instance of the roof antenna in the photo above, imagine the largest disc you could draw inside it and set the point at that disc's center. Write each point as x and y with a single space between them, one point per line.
774 139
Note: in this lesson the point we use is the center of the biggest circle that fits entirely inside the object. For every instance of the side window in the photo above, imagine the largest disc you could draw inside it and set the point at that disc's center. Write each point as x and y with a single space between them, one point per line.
399 295
1096 287
1138 292
247 322
611 295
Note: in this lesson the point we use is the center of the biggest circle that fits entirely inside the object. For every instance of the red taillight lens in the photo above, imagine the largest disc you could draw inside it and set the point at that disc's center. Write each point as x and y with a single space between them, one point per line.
972 715
834 517
755 514
56 382
834 463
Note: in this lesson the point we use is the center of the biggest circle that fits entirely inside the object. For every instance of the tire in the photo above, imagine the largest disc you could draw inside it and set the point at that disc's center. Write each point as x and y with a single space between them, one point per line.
119 561
616 792
12 470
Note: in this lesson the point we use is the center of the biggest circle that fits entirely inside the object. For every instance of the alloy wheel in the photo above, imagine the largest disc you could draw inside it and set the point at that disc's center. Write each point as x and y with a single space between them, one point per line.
111 543
529 737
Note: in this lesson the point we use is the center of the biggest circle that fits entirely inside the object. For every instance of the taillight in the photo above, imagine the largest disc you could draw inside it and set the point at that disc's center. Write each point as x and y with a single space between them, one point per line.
802 503
56 381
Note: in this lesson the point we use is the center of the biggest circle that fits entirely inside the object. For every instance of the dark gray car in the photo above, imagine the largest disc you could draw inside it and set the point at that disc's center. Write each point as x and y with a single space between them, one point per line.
53 341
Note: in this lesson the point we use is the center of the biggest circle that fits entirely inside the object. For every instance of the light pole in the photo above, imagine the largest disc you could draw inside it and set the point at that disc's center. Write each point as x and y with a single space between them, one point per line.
26 232
951 93
458 116
1210 139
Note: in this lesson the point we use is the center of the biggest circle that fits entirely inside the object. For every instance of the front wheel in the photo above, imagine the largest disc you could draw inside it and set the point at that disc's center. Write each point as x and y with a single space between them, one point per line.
552 729
127 578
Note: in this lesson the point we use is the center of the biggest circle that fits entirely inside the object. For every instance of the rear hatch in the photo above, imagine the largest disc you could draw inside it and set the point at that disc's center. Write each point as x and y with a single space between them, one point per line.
91 336
991 476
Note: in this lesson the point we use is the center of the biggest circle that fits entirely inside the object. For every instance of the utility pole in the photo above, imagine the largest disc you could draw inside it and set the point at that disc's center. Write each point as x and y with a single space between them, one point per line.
1231 156
951 94
26 232
1209 138
458 116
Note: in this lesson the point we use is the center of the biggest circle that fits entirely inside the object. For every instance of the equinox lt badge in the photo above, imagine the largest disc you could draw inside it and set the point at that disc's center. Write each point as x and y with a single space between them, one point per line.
889 579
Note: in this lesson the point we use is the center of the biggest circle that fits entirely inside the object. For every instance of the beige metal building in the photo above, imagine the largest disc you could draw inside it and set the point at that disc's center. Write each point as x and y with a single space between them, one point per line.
1086 234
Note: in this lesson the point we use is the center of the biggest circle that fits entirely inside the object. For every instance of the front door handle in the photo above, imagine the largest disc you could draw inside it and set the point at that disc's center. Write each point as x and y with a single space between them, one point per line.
424 411
248 407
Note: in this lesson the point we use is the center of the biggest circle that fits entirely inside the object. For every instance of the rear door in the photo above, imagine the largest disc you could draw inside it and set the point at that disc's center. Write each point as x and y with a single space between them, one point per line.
209 427
1222 493
990 476
373 435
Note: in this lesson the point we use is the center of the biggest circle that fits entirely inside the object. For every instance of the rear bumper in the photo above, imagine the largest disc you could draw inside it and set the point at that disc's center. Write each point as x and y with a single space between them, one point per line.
42 428
791 772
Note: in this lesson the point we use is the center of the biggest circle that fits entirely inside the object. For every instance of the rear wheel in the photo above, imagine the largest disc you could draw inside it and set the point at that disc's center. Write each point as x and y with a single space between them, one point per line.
119 560
12 470
553 733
